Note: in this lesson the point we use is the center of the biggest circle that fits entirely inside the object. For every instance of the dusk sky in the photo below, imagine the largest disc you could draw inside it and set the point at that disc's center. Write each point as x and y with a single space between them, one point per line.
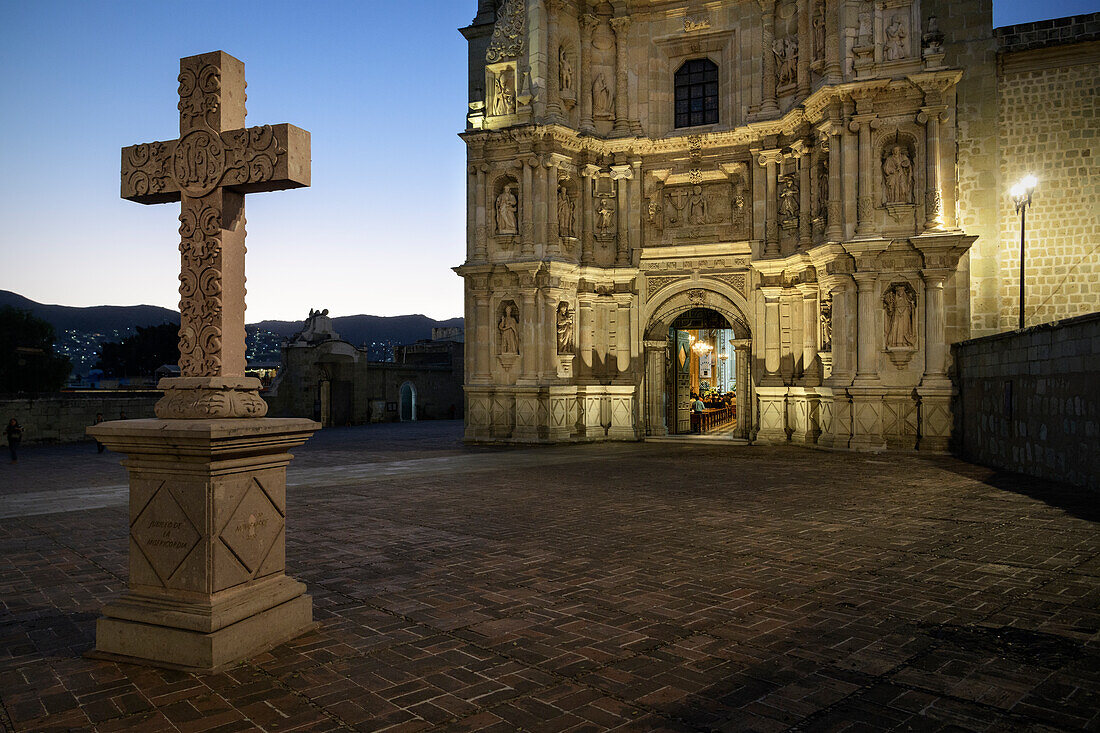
380 85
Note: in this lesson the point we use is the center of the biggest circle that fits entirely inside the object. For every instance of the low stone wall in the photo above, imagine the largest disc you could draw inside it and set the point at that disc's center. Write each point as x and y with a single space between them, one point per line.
63 417
1029 401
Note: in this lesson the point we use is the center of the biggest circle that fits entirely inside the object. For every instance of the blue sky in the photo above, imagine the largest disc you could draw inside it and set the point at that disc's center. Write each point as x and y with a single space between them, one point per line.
380 85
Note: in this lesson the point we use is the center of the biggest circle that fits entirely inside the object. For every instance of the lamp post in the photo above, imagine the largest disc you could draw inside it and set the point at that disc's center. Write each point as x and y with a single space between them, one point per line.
1021 195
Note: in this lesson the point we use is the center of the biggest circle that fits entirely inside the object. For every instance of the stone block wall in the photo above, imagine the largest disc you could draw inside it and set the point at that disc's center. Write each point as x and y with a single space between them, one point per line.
63 417
1029 401
1050 127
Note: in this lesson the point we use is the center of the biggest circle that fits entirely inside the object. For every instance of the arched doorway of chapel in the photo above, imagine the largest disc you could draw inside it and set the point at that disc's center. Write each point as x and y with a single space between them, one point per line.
701 384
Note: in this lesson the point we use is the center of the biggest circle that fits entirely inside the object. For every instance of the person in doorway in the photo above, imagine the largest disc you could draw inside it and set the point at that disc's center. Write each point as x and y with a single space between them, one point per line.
98 419
14 433
697 407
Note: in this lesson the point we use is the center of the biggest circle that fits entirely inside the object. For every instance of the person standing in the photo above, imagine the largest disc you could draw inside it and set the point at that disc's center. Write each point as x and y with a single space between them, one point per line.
14 433
98 419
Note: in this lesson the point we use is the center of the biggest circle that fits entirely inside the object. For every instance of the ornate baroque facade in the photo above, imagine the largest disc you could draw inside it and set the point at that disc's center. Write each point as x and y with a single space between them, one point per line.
789 164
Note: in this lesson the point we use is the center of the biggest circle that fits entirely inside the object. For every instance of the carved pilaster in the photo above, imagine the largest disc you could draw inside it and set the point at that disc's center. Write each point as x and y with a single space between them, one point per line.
768 104
553 92
770 160
588 25
621 25
620 174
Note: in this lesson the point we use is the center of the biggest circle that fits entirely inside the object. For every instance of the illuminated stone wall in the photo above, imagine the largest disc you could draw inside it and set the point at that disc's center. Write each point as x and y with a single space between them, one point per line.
1050 127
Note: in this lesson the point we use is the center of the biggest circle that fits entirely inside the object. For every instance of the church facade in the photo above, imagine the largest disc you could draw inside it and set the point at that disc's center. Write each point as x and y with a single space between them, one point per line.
809 175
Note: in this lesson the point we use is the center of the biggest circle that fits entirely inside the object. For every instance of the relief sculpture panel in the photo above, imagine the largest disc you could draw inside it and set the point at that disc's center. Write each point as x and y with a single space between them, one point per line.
705 211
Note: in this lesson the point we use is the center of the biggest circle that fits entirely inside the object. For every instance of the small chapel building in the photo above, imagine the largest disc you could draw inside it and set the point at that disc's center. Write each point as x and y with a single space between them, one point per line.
788 207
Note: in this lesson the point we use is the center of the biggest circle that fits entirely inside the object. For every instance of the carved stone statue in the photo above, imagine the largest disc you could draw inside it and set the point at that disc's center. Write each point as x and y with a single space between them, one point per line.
819 29
601 97
506 211
604 212
788 199
897 176
786 60
565 329
565 72
566 210
504 99
895 45
697 206
826 318
509 330
900 304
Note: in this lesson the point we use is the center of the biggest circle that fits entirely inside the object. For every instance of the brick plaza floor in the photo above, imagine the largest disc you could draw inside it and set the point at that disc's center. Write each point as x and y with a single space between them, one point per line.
684 587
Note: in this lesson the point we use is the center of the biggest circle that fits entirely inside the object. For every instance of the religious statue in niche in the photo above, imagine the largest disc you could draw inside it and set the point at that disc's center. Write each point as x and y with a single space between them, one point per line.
786 60
604 212
506 206
895 46
819 29
897 175
565 329
900 304
565 73
508 326
566 213
788 200
826 319
601 97
504 98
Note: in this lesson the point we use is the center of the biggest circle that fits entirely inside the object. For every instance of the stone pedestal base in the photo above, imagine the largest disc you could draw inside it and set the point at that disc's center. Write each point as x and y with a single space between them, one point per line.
773 414
866 418
207 542
935 416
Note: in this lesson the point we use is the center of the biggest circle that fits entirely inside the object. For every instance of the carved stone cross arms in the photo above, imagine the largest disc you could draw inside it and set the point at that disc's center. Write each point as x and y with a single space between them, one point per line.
209 169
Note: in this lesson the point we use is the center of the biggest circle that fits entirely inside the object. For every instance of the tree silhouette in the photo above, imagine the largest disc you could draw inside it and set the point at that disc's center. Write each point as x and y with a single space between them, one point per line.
27 361
141 354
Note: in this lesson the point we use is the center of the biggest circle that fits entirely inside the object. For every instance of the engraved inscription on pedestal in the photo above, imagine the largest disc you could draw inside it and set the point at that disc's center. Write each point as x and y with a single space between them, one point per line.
164 534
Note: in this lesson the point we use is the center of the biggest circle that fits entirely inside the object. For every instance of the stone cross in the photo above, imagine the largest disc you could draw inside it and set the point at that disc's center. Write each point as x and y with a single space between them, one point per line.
209 169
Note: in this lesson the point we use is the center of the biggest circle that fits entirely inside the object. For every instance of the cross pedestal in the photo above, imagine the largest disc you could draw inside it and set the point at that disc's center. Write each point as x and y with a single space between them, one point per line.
207 586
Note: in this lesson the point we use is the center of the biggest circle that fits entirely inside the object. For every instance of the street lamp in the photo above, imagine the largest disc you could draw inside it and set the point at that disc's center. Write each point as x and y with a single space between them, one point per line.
1021 195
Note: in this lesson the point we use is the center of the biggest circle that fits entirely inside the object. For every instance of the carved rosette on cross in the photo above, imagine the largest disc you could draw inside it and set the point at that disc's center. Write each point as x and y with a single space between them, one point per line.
209 169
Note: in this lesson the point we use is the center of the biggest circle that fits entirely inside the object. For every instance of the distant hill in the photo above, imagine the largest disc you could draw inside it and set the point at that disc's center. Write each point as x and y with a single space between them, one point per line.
107 319
366 329
93 319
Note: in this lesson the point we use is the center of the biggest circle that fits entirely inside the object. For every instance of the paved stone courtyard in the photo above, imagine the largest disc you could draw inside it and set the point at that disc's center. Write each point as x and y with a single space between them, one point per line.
660 586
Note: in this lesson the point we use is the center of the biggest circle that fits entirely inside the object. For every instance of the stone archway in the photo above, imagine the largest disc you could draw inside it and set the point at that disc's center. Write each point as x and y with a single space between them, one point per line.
407 404
660 354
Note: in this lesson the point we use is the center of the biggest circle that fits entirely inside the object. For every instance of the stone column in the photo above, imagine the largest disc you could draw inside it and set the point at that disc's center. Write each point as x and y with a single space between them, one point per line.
481 332
833 70
622 332
805 212
805 49
656 411
793 300
933 200
770 160
834 231
584 84
768 104
587 213
935 342
553 92
811 374
540 207
527 241
620 174
584 334
481 223
637 203
772 335
620 25
743 358
867 330
553 242
861 124
529 345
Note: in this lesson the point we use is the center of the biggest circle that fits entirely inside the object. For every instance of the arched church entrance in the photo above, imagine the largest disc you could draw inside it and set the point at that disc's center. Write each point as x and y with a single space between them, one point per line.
698 369
408 402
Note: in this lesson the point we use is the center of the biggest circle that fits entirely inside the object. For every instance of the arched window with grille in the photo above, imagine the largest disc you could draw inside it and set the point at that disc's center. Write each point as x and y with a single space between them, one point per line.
696 84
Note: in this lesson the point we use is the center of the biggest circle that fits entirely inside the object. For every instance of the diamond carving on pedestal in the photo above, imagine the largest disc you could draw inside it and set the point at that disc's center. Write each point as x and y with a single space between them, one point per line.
164 534
253 528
